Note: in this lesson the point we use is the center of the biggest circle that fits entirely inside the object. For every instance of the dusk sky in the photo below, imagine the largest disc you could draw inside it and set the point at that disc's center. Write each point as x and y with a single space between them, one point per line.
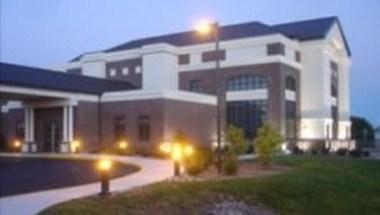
45 33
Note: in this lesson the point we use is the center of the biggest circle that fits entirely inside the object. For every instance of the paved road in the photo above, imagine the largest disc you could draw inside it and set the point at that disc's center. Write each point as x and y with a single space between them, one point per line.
152 170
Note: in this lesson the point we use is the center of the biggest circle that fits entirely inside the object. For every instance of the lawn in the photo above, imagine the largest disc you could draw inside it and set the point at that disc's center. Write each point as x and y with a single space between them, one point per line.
315 185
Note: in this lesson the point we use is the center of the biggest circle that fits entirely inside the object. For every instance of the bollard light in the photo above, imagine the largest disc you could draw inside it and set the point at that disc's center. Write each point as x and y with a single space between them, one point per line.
177 152
104 166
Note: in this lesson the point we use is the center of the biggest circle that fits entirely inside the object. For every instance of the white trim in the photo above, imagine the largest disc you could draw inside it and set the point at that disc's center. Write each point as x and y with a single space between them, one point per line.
146 95
11 105
64 124
47 93
290 95
253 61
247 95
55 103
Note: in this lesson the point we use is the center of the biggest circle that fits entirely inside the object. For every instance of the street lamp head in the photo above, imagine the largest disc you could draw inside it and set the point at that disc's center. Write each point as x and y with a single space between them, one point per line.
204 27
104 165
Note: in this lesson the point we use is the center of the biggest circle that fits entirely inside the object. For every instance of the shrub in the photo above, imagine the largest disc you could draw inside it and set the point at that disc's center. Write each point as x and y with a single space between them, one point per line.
297 151
356 153
341 152
230 164
267 143
200 160
235 138
325 151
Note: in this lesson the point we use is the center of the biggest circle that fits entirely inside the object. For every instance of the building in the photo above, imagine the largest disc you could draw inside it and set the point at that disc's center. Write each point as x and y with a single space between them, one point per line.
293 76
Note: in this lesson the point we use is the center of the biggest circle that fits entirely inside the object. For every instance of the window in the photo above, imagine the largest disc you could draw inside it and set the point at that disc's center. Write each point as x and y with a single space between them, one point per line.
298 56
143 123
290 83
195 86
183 59
247 82
247 115
291 115
119 128
213 55
334 78
112 72
138 69
125 71
275 49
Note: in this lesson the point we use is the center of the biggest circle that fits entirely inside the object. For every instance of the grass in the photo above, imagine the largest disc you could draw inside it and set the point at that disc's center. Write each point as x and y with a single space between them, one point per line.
315 185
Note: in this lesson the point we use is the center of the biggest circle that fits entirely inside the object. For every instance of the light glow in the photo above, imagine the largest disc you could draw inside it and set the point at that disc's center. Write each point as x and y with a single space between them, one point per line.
177 152
188 150
204 27
166 147
104 164
123 145
17 144
75 146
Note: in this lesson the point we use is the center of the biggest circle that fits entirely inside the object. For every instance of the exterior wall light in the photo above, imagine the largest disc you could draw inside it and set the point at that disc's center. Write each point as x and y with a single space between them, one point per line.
104 166
177 152
122 145
17 145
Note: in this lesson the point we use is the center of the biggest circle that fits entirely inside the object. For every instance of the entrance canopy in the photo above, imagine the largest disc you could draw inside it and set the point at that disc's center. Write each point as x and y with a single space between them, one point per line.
24 83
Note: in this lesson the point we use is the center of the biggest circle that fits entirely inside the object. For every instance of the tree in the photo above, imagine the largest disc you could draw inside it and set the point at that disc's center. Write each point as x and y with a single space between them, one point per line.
267 143
361 129
235 138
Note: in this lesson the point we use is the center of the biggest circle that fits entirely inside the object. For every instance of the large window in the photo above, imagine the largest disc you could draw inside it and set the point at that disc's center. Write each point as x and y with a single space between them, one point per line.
291 119
247 82
334 78
247 115
143 123
119 127
195 86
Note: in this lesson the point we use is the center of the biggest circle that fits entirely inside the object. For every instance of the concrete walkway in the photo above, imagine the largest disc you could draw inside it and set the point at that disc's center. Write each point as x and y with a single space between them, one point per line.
152 170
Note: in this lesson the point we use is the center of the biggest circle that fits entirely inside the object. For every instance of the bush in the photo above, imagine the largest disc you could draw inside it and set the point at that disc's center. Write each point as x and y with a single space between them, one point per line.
267 143
200 160
325 151
230 164
236 140
356 153
341 152
297 151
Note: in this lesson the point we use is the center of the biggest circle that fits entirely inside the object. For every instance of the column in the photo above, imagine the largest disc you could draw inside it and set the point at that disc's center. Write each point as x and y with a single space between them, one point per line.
25 147
67 127
33 145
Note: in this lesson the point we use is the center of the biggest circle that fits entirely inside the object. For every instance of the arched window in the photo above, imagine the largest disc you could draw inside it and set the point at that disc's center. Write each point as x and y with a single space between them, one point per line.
247 82
290 83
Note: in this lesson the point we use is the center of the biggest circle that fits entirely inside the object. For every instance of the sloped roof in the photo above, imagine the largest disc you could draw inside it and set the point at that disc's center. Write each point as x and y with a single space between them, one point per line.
300 30
30 77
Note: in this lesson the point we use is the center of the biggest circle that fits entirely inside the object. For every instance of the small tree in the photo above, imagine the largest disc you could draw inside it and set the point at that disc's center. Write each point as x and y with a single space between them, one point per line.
235 138
267 143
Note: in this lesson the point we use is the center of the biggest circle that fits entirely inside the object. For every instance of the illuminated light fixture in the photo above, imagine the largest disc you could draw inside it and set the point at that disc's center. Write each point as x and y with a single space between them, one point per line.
123 145
75 145
204 27
104 165
177 152
165 147
17 144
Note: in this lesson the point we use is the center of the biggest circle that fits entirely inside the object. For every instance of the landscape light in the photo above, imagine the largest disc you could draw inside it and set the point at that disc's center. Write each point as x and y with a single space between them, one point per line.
75 146
17 144
177 152
104 166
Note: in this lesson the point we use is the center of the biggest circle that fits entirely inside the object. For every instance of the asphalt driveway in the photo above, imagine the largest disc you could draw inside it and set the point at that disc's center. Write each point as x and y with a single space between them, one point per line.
24 175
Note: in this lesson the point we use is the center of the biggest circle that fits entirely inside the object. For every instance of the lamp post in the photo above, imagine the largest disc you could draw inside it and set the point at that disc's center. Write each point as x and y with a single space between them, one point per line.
104 166
206 28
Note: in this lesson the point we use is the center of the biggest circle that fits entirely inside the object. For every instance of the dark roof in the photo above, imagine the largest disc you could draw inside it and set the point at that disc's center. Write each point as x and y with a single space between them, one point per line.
31 77
301 30
310 29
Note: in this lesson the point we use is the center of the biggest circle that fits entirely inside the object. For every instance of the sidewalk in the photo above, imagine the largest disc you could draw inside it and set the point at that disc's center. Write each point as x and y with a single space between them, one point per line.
152 170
